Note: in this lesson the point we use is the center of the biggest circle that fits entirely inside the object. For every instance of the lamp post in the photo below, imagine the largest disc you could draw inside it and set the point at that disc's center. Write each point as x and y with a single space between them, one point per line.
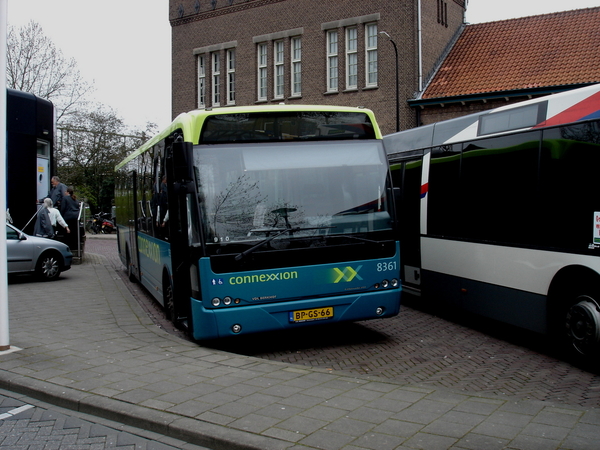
397 81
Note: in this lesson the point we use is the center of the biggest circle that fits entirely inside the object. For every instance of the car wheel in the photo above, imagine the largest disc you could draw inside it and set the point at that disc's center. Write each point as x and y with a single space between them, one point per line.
48 267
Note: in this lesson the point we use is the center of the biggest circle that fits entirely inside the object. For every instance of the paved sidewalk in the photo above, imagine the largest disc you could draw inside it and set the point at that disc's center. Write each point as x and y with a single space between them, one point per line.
86 344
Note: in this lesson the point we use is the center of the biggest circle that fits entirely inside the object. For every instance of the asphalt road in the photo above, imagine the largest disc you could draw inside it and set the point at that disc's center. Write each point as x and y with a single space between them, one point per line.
415 347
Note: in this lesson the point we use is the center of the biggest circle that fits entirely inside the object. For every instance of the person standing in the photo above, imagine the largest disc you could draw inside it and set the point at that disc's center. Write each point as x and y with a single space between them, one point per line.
55 217
69 209
57 192
43 225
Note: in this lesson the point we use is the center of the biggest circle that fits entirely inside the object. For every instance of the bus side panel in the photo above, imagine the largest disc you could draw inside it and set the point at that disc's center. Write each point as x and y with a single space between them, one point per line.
154 257
522 309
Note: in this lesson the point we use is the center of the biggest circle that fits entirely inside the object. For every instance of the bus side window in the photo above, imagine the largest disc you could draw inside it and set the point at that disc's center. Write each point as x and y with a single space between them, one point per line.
444 205
498 183
569 173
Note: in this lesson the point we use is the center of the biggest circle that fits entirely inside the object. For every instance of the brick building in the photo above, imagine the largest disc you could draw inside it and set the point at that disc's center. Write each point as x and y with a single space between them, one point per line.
247 52
498 63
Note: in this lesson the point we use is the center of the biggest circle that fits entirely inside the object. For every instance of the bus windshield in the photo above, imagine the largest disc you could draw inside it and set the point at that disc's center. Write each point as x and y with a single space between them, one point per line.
286 126
250 192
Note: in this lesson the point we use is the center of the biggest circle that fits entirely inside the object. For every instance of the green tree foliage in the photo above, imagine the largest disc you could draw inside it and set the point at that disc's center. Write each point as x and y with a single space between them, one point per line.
88 150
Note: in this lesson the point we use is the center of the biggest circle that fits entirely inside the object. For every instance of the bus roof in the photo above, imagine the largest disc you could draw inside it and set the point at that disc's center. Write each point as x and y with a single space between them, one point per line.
191 122
551 110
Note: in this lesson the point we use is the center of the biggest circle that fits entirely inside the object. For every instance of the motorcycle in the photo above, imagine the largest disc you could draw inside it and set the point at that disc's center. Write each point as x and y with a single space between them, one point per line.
100 223
108 225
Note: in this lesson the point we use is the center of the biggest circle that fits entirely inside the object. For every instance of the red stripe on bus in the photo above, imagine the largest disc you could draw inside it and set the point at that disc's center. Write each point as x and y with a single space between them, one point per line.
576 112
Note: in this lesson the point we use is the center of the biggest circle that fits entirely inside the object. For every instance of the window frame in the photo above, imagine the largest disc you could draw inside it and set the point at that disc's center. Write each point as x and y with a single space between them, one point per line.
231 62
216 78
278 69
296 66
371 50
351 58
262 75
202 81
333 75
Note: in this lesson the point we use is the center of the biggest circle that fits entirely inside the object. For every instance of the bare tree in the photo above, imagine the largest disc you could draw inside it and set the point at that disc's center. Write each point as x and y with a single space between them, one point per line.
35 65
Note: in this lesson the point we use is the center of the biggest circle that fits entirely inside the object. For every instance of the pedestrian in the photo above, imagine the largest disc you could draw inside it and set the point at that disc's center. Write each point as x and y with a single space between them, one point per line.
55 216
57 192
69 210
43 225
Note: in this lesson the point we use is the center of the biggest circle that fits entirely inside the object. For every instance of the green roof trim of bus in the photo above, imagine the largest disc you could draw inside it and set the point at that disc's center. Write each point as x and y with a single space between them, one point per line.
191 123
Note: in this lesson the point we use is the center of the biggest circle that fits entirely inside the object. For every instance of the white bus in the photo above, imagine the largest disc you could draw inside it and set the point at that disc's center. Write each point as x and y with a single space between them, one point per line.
500 214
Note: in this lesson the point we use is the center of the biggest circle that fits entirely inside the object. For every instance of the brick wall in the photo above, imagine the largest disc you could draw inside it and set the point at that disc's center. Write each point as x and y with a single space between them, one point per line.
213 27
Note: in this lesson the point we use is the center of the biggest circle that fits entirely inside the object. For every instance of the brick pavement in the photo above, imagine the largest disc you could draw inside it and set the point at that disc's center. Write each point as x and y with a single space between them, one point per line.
91 347
29 424
415 347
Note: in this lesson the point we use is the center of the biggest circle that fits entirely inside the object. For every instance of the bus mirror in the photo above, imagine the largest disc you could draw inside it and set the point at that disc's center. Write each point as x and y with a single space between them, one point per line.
183 160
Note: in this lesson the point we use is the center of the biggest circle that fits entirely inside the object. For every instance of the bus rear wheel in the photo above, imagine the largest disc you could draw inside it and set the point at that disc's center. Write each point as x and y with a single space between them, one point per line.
582 326
169 301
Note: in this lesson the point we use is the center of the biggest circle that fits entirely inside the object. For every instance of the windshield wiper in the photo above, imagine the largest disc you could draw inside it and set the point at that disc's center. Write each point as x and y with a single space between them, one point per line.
357 238
270 238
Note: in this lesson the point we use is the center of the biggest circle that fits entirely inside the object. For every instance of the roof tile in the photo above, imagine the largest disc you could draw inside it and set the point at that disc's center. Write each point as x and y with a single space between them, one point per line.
537 51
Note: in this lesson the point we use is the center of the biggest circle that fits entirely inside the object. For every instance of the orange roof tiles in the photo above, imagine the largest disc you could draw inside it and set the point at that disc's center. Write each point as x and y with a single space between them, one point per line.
530 52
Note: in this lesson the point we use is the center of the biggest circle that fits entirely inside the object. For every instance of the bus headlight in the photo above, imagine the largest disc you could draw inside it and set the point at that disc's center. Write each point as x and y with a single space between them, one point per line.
394 282
227 301
216 301
236 328
385 283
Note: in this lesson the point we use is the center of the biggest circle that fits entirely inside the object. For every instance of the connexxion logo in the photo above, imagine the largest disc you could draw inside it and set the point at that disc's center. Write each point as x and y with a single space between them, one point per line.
348 274
264 277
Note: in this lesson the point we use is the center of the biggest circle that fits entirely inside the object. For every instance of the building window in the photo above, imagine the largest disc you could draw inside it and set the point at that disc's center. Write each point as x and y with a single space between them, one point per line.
278 55
296 66
231 77
216 78
332 61
371 57
442 13
262 71
351 58
201 81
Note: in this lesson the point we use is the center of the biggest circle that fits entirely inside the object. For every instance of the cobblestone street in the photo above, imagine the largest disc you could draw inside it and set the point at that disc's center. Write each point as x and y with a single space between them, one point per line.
414 347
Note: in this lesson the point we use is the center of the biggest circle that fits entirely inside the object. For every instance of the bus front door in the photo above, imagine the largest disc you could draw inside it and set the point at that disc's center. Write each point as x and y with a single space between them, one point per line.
406 175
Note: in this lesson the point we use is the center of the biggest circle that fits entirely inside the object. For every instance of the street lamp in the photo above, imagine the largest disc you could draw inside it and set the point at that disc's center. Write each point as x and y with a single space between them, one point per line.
397 82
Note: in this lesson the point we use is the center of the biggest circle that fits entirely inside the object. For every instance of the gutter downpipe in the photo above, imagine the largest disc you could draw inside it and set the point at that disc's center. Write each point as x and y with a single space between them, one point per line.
420 44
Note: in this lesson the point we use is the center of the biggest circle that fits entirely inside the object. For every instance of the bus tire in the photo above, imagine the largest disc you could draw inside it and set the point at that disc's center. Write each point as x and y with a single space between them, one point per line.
169 299
582 325
574 313
130 273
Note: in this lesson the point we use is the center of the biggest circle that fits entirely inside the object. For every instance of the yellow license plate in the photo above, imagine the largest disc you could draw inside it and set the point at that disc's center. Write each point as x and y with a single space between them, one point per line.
306 315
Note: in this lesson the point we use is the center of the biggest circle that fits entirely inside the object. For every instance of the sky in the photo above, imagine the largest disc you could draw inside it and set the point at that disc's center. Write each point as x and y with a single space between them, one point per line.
123 47
111 40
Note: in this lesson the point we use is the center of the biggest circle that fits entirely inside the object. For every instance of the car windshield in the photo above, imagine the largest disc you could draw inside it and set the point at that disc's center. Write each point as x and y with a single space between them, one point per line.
248 192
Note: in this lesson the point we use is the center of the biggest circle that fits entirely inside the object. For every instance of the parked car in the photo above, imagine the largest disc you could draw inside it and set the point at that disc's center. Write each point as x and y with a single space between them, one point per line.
47 258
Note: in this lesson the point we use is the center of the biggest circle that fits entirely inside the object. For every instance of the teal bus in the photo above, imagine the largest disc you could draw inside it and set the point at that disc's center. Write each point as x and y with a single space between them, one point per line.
248 219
